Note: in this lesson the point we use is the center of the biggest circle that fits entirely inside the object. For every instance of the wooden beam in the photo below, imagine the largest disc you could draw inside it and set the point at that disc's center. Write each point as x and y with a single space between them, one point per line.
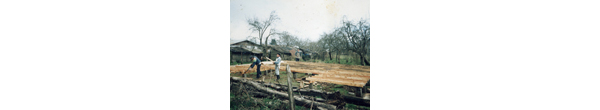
290 92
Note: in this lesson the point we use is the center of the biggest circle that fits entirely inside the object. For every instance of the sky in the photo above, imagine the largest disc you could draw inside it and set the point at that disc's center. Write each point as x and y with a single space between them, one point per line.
306 19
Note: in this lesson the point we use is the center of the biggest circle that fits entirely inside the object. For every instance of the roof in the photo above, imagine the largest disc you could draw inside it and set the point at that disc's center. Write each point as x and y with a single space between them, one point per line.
239 49
244 42
305 50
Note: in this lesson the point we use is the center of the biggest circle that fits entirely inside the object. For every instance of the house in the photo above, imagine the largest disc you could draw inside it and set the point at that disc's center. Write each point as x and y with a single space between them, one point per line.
287 53
241 51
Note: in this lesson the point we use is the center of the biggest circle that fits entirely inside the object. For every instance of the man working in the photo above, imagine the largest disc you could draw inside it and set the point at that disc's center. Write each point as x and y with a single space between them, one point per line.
256 62
277 62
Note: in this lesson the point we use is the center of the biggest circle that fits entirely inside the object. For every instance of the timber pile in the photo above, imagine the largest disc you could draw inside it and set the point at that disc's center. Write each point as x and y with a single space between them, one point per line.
262 90
351 75
328 95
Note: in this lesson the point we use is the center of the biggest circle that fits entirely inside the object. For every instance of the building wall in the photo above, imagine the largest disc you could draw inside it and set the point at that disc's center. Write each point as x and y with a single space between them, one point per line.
238 57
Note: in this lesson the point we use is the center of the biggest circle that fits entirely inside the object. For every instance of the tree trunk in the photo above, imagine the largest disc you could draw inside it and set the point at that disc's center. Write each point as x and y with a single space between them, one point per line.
297 99
362 62
330 56
311 91
366 62
267 41
260 39
338 57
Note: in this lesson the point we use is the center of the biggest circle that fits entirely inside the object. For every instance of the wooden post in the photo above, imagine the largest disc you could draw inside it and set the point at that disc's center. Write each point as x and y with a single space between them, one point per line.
290 86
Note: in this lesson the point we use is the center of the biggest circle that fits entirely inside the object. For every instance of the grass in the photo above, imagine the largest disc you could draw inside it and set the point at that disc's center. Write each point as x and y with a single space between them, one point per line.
340 88
247 104
350 106
241 102
244 102
344 59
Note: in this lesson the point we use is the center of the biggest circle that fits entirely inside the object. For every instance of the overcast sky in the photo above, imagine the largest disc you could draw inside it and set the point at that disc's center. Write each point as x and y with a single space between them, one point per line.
305 19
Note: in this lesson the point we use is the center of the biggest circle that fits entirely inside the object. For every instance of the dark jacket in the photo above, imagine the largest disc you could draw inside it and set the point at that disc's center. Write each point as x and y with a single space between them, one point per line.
257 62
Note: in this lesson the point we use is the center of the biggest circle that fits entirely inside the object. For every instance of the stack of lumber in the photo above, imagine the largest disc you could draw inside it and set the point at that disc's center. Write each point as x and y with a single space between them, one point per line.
244 67
351 75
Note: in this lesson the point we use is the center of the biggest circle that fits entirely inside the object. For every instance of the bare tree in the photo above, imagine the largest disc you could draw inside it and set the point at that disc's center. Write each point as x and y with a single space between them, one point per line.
357 38
350 37
261 27
251 38
285 38
326 41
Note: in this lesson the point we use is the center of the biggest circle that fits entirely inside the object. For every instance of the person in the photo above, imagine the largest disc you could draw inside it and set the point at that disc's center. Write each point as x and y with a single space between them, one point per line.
298 54
277 63
256 62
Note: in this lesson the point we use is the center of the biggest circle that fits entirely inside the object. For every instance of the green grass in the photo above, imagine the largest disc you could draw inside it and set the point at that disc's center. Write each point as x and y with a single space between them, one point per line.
319 87
340 88
247 103
345 59
350 106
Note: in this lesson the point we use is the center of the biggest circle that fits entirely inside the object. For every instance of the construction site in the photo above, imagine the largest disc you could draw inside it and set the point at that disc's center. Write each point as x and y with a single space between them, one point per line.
312 85
322 62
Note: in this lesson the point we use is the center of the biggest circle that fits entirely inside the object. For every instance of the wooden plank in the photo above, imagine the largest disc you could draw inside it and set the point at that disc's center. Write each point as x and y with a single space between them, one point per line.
351 75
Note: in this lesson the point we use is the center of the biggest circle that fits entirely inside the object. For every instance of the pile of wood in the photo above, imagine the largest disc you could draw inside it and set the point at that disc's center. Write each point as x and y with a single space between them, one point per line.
327 95
264 91
351 75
